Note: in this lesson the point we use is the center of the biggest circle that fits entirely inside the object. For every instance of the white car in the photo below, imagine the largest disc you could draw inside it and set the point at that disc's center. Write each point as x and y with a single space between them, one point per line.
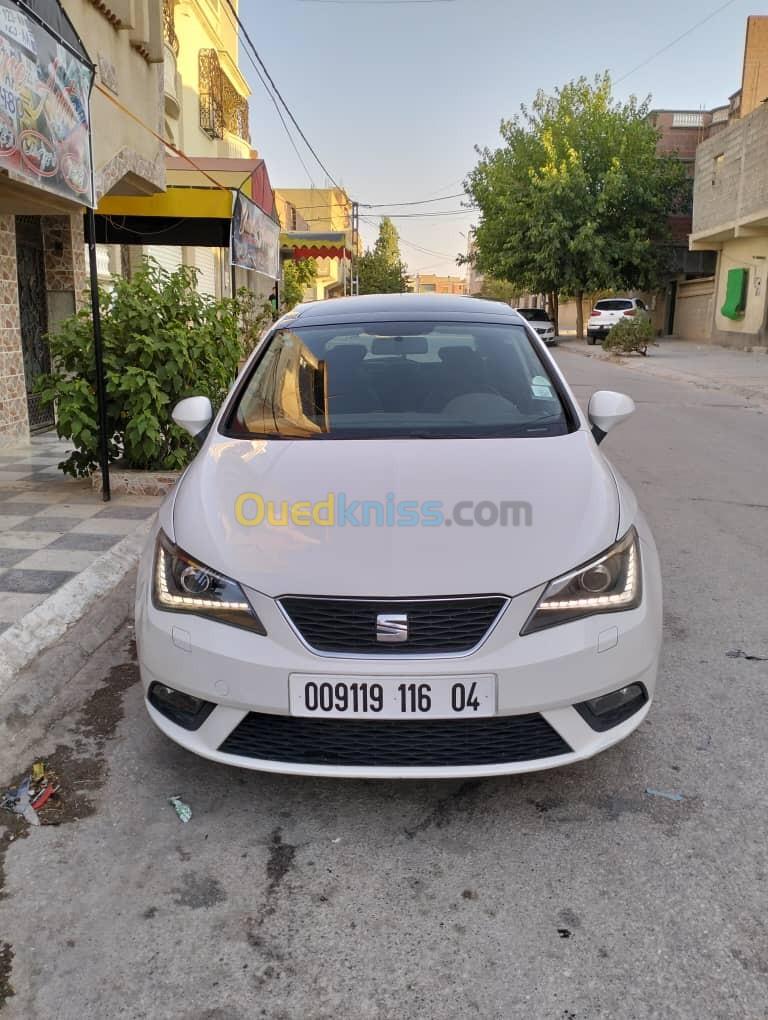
609 311
540 323
400 553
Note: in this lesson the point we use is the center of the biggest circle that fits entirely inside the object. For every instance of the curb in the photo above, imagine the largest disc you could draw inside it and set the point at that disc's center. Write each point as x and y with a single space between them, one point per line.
47 622
758 398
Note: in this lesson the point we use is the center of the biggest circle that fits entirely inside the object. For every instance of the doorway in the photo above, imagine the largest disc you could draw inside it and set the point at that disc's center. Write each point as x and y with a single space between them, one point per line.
33 314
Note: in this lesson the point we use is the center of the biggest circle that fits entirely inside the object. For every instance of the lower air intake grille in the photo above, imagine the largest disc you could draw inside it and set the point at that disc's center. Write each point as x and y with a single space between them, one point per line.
435 626
394 743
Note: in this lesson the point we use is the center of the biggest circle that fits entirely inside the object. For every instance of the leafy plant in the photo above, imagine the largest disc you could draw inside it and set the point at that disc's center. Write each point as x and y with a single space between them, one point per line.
297 276
629 336
162 341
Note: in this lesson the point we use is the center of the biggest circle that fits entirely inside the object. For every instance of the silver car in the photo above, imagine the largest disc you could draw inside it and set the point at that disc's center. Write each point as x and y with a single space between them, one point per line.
541 323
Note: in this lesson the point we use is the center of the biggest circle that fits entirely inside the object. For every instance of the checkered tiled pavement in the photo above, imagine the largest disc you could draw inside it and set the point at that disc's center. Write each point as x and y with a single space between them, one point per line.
52 526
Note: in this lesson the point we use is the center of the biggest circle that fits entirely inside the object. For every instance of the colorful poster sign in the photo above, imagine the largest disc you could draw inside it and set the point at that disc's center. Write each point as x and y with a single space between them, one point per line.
44 114
255 241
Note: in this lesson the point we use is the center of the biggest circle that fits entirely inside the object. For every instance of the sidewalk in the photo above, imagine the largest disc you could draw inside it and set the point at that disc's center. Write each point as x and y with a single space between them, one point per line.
703 365
61 547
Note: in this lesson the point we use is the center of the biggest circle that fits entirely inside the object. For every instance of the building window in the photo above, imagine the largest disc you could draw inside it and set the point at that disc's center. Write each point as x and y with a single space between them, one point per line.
222 108
717 167
687 120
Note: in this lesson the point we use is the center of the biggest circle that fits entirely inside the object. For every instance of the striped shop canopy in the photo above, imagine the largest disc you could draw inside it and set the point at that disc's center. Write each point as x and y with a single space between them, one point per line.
301 245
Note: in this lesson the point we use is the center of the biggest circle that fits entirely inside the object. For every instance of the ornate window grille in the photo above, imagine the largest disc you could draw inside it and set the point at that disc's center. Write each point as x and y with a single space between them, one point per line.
235 110
169 29
211 94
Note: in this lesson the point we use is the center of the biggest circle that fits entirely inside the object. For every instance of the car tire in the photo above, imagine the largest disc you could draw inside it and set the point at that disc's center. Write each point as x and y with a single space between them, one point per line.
591 339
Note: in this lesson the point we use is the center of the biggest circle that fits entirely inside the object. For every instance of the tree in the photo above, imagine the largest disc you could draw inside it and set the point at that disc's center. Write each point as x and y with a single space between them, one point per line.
381 270
576 199
297 276
499 290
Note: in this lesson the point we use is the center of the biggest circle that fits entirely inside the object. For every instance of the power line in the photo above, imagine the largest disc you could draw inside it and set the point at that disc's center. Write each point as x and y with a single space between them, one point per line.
427 216
323 212
422 201
274 103
412 244
375 3
676 40
277 92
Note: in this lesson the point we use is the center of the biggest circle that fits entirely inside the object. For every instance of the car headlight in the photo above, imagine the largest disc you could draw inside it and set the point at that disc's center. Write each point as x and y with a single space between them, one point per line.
610 583
180 584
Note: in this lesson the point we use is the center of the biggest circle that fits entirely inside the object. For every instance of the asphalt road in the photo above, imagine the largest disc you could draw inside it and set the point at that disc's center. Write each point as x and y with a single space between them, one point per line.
567 895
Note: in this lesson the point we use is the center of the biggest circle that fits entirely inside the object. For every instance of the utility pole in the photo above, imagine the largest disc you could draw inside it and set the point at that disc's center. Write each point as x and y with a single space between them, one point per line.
354 283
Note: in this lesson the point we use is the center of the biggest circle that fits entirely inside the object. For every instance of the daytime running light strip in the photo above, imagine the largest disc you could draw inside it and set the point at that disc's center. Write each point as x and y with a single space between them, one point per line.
168 599
600 601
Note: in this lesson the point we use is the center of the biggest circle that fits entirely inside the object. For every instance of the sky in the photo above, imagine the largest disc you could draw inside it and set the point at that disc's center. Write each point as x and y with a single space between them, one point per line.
394 96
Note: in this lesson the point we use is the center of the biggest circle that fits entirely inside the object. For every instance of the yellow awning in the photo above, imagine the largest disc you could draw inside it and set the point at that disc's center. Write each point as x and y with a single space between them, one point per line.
175 203
203 191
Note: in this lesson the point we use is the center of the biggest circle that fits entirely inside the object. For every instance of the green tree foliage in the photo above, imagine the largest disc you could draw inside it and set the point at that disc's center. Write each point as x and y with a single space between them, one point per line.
499 290
576 199
163 341
381 269
297 276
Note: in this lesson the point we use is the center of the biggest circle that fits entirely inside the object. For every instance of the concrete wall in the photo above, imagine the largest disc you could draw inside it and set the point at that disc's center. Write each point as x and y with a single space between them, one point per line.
693 309
204 25
750 254
731 183
128 55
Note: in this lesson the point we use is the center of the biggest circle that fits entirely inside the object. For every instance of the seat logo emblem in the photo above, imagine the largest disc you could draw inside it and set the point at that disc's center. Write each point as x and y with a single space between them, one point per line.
392 628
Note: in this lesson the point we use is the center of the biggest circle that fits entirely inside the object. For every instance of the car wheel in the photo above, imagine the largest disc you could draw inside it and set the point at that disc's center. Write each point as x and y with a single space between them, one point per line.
591 339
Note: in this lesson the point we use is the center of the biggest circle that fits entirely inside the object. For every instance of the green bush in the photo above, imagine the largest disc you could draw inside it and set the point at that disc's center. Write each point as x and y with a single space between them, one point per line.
630 335
163 341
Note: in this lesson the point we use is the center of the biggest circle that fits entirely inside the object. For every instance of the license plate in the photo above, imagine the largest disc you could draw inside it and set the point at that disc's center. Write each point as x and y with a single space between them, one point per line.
444 697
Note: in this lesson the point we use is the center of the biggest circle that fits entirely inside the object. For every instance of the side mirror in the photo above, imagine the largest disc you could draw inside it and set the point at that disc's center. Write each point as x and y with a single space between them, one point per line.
607 410
194 415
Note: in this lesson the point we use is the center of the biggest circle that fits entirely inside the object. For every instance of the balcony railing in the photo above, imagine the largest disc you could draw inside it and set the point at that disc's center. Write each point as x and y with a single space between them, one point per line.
235 110
222 108
169 28
211 97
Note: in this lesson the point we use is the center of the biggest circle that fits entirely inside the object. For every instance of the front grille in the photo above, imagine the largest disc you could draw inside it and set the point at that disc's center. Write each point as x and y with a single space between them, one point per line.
435 626
395 743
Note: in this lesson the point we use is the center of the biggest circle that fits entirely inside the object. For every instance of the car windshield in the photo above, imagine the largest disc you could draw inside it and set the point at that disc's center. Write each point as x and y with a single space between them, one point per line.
534 314
428 380
613 305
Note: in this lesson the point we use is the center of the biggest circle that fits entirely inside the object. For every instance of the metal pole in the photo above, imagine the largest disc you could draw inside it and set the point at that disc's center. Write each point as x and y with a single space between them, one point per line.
354 282
101 386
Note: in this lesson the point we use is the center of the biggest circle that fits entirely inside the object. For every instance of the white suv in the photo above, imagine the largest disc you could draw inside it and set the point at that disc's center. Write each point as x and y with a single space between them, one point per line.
609 311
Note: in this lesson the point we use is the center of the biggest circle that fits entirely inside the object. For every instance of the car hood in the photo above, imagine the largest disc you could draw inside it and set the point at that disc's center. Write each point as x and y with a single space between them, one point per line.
565 480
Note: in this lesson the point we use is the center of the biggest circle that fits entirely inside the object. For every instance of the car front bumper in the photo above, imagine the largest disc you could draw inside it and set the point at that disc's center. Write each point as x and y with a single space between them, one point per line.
542 674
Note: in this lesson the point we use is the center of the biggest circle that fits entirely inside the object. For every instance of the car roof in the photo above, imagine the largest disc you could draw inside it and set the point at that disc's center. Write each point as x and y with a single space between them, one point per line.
395 307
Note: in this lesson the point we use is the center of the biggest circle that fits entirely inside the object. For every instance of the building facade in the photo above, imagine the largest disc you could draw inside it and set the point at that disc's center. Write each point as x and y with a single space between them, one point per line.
730 209
204 114
730 217
327 213
427 283
42 257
